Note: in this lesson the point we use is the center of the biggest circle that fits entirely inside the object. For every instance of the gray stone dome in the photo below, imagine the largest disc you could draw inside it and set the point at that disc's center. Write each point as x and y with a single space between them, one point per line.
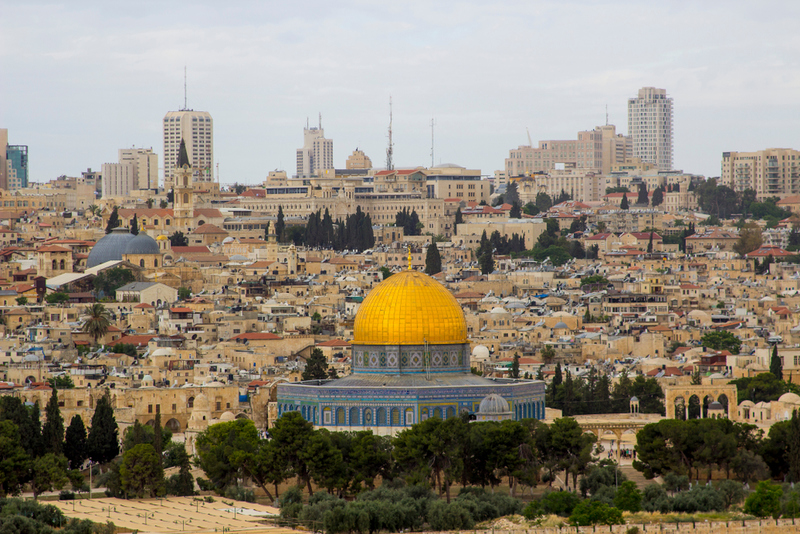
493 404
110 247
142 244
561 325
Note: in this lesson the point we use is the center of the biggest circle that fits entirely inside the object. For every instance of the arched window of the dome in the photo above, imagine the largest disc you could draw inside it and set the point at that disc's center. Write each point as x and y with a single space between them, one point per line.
409 416
368 416
380 419
354 417
340 417
395 417
327 415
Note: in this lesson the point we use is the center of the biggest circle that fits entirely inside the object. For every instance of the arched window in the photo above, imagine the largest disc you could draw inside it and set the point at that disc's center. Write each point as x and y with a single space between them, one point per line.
155 262
354 417
395 417
63 265
380 418
55 265
339 416
186 198
190 402
141 263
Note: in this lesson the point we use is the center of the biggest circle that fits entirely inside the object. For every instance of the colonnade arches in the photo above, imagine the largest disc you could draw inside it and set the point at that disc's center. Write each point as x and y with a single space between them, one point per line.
529 410
695 401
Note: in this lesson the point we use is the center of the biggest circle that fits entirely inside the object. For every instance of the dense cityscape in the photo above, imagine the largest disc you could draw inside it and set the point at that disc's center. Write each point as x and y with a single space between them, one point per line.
584 336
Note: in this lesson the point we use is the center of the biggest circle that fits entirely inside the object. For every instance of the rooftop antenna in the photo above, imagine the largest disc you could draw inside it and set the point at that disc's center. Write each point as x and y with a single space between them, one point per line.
433 123
320 122
390 149
606 114
217 172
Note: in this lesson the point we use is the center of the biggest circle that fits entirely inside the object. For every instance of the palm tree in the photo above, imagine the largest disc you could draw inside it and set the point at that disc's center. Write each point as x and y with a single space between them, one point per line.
98 322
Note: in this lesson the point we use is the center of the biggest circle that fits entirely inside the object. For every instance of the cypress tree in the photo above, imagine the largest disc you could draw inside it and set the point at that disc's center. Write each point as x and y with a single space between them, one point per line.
515 366
103 440
643 197
433 261
624 204
557 378
794 447
157 437
459 218
135 225
75 443
650 244
53 428
775 364
113 220
280 225
486 262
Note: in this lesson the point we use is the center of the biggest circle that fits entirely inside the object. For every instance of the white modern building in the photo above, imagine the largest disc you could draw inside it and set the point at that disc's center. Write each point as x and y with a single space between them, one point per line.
137 170
196 128
316 154
650 126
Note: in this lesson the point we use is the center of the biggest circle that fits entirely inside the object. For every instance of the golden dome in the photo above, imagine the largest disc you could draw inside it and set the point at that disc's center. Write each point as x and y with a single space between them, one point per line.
410 308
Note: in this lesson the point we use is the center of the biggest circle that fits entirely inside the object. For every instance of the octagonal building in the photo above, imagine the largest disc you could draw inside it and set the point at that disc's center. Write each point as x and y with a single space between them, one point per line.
411 361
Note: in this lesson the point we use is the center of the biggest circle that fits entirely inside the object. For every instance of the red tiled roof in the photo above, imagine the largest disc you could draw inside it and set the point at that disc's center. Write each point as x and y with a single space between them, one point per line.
195 249
181 310
53 248
769 250
136 339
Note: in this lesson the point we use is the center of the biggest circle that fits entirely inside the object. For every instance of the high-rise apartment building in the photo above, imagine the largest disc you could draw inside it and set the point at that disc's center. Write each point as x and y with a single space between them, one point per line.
774 172
13 164
196 128
358 160
137 169
595 150
650 127
316 154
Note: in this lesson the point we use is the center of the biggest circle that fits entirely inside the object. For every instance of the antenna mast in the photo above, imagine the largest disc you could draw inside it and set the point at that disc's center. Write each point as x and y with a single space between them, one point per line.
390 149
606 114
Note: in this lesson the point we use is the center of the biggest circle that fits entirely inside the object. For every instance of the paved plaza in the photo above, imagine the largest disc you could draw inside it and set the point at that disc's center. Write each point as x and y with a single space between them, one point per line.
173 514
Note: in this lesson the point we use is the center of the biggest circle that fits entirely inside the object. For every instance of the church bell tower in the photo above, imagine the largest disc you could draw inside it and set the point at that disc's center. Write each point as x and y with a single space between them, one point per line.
183 201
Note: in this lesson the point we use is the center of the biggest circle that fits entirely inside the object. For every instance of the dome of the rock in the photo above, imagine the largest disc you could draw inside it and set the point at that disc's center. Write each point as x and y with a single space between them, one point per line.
410 308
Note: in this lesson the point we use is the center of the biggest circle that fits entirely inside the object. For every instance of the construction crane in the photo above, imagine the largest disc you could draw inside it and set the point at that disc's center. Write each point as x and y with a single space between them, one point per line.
530 143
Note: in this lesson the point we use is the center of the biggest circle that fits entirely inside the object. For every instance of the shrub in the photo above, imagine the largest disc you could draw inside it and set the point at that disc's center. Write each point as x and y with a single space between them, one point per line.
590 512
453 516
765 501
699 499
204 484
655 499
559 503
66 495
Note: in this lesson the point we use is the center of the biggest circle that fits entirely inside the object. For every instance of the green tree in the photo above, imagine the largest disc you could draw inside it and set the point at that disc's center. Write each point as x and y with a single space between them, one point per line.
543 201
515 366
628 497
385 272
624 204
22 301
140 472
316 366
98 322
658 196
280 224
53 428
134 225
433 261
642 199
289 435
721 340
75 444
48 472
26 420
516 211
184 293
139 433
163 204
793 449
749 239
765 501
61 382
182 482
114 220
57 298
102 439
486 262
178 239
14 461
107 282
776 364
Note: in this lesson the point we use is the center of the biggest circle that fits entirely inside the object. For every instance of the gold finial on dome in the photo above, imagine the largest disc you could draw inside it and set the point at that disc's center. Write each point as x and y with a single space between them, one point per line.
409 258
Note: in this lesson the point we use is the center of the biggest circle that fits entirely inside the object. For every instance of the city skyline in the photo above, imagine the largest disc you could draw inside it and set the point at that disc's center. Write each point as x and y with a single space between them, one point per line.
90 78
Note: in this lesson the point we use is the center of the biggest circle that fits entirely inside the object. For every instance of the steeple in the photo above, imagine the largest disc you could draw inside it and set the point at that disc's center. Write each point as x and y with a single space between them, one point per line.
183 156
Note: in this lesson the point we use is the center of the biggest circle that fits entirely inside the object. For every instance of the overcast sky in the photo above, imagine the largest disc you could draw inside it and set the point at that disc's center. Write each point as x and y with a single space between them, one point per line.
79 80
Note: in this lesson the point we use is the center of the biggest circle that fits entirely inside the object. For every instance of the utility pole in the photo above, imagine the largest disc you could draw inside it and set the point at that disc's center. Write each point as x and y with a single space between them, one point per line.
390 148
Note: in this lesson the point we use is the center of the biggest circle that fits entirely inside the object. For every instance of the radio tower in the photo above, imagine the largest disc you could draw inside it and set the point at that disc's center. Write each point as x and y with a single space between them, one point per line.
390 148
433 123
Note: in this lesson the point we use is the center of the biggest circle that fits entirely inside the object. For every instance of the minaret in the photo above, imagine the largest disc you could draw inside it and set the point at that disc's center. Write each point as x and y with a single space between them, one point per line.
183 204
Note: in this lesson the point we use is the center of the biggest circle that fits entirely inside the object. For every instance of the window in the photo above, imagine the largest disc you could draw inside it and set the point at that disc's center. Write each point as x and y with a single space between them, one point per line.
158 408
149 408
219 405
